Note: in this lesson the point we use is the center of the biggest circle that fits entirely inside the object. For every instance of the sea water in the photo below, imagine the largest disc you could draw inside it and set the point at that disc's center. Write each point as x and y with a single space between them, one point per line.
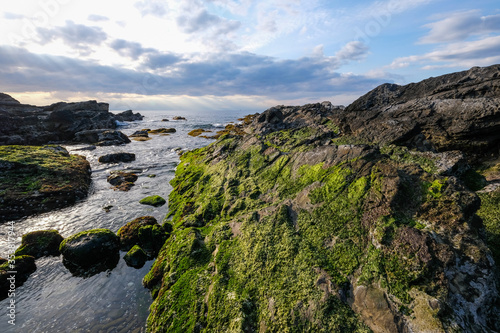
52 300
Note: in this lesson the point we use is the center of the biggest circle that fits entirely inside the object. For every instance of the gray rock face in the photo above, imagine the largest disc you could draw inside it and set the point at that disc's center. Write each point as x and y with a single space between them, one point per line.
31 125
458 111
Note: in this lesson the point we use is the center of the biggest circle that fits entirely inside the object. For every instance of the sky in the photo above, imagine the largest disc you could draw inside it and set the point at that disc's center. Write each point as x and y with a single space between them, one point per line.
235 54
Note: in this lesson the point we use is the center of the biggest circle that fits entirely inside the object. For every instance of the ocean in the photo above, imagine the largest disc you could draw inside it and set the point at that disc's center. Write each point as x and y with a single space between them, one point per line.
52 300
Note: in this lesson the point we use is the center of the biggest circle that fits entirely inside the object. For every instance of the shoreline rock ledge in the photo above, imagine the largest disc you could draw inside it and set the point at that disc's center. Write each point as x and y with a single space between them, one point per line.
319 218
60 122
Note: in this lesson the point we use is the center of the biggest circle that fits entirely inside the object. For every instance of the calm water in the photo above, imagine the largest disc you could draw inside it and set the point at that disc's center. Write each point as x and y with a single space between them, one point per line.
52 300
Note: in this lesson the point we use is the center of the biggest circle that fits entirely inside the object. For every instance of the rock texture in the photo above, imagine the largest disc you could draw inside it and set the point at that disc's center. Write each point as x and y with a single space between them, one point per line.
319 218
40 243
128 115
90 252
36 179
31 125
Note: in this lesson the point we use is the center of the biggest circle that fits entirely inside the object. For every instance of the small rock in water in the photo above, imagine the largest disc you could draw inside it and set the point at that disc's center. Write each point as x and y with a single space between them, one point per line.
153 200
107 208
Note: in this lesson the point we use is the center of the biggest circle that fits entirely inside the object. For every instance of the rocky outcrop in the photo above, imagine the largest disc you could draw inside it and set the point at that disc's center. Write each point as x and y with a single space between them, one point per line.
31 125
144 232
38 179
319 218
458 111
128 115
122 180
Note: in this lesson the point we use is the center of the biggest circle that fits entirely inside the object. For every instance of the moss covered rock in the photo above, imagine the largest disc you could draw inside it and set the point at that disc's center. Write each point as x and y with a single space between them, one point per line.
40 243
89 252
37 179
14 273
144 231
136 257
153 200
286 225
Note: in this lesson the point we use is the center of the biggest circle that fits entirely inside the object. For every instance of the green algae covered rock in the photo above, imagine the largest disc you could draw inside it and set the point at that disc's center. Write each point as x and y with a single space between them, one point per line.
283 226
37 179
40 243
136 257
90 252
14 273
153 200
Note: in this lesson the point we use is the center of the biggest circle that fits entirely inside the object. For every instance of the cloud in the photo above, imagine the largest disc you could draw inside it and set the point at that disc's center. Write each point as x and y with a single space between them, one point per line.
129 49
459 54
78 36
460 26
97 18
355 50
12 16
159 60
152 7
216 75
203 21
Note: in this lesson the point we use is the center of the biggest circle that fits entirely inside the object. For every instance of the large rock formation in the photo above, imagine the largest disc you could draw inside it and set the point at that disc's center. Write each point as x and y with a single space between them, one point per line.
30 125
324 219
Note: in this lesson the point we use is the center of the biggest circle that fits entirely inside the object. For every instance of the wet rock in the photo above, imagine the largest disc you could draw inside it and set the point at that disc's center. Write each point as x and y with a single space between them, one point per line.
24 266
162 131
153 200
129 233
40 243
90 252
122 181
165 119
142 133
102 137
144 231
135 257
117 157
128 115
40 179
198 132
178 118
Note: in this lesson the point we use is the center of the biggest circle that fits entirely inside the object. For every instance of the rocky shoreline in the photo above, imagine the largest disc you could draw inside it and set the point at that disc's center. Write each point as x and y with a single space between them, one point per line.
325 219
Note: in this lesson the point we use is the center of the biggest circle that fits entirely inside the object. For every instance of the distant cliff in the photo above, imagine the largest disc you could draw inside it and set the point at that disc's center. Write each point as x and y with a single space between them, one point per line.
327 219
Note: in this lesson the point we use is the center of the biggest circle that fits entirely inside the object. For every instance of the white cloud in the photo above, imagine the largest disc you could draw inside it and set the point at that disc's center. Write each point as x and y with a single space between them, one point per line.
460 26
459 54
355 50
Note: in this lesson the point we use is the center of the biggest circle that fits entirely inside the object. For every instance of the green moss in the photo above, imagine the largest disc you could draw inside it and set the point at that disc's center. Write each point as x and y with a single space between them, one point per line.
402 154
490 213
153 200
40 243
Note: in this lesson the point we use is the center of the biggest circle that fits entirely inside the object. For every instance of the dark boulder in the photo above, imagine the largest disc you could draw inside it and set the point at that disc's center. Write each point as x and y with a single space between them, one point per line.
24 266
139 134
40 243
101 137
117 157
128 116
90 252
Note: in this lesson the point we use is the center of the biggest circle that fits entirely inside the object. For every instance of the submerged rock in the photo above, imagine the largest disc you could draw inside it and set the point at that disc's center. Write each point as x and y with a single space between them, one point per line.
324 218
122 181
40 243
90 252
